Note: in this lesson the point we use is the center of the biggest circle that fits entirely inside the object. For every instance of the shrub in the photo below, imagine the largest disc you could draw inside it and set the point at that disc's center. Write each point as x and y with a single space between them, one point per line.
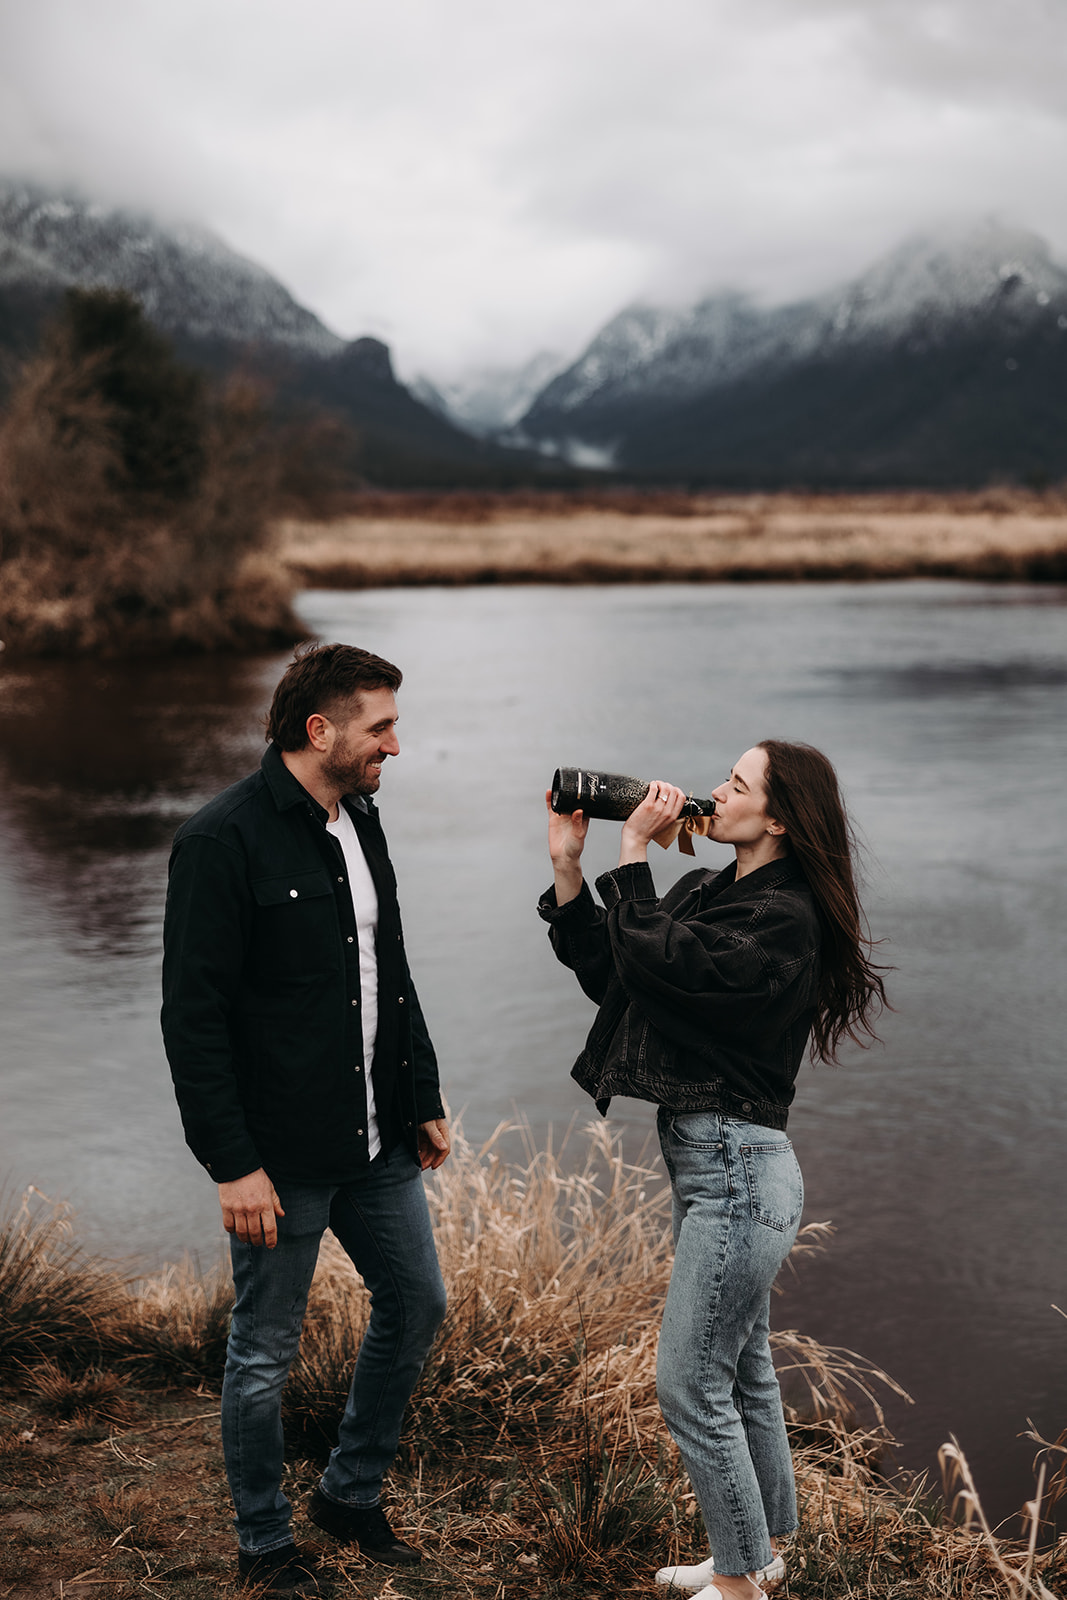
133 505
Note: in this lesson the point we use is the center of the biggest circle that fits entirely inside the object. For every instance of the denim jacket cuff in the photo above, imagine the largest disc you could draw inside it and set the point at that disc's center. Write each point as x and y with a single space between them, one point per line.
631 882
573 913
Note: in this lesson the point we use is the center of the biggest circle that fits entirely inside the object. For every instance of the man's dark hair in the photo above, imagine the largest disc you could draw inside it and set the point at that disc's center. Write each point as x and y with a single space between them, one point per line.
323 678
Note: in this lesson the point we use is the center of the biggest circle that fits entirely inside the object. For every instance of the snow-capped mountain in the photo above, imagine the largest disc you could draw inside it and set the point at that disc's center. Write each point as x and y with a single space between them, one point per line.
187 280
652 350
932 282
224 311
650 387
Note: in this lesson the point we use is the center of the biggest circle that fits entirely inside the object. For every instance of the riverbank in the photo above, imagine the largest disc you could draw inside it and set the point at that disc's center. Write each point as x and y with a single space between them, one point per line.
1006 535
534 1460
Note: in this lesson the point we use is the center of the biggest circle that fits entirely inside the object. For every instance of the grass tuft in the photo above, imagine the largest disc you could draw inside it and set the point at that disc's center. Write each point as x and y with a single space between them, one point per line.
175 1325
82 1398
53 1301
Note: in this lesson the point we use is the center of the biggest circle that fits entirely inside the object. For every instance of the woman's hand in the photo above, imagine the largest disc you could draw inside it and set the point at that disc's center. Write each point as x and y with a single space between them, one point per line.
662 805
566 841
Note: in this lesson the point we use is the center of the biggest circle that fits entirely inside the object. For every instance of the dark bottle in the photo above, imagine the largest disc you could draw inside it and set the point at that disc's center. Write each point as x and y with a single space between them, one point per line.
609 795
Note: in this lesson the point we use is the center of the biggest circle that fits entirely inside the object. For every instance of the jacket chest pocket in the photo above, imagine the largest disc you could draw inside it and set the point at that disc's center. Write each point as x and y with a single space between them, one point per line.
296 932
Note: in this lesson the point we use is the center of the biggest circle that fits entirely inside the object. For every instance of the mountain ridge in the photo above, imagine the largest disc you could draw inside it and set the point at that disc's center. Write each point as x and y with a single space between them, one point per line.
944 363
225 313
953 298
186 278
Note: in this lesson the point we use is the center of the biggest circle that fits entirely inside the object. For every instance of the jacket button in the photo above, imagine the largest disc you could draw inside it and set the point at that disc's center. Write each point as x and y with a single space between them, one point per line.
293 894
400 999
359 1069
355 1002
350 939
403 1063
340 880
746 1105
360 1132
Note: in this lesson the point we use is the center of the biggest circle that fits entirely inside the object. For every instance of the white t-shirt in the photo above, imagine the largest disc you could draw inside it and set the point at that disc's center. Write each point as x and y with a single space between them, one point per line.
365 905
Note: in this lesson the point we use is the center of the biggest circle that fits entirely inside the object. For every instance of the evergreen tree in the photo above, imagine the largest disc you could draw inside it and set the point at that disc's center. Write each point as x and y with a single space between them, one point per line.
158 406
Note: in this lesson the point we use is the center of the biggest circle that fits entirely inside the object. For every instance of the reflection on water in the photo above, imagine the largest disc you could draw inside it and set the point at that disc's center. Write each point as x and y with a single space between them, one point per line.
98 765
938 1156
922 678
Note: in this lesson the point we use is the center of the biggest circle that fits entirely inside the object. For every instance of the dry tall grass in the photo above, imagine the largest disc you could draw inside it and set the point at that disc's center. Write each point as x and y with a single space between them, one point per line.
999 535
534 1427
53 1302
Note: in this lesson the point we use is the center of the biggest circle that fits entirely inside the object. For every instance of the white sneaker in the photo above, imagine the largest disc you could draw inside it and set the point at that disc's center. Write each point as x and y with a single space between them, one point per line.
713 1592
690 1579
770 1576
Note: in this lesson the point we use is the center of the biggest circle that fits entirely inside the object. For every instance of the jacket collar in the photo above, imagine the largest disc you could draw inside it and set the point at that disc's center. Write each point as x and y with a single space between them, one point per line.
287 791
786 869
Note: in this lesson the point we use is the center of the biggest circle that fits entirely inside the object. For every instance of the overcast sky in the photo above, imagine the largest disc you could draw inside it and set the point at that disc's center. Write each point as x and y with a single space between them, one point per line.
475 180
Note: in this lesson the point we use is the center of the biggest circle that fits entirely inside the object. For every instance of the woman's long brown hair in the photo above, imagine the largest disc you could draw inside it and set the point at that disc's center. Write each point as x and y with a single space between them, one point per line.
803 795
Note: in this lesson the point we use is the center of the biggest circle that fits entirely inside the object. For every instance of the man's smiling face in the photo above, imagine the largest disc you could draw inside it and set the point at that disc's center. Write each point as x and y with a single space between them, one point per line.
361 738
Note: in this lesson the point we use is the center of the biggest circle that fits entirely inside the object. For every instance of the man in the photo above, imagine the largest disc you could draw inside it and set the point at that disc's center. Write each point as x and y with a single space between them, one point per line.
308 1088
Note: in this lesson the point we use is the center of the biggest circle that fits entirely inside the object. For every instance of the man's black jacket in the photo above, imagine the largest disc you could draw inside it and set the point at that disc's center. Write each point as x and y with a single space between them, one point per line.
261 999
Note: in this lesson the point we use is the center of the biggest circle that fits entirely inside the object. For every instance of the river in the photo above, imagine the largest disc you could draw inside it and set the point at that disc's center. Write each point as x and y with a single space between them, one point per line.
938 1155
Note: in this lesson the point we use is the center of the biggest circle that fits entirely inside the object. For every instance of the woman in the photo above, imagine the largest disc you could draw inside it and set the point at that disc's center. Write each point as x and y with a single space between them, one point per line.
707 1001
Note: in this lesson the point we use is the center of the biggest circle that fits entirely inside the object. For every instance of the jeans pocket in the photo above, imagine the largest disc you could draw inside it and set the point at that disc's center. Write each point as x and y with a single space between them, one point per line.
775 1186
697 1130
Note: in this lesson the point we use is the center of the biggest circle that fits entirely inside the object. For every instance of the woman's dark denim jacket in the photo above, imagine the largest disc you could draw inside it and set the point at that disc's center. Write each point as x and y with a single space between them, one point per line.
706 997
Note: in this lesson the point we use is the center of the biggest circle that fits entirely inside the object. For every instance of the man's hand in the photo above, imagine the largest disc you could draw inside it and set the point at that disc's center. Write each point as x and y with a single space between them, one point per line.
249 1207
434 1144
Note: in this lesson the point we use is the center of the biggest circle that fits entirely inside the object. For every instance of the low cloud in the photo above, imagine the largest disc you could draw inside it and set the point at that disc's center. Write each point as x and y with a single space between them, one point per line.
472 181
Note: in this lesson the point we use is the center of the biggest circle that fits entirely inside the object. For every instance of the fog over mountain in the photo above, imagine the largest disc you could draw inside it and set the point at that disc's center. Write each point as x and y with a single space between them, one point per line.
472 183
945 361
225 313
187 280
490 400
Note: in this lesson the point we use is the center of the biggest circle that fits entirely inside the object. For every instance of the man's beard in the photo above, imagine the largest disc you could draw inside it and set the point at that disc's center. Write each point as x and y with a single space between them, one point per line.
351 774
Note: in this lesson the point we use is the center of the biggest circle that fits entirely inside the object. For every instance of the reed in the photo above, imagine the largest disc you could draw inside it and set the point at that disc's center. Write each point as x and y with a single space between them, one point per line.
54 1303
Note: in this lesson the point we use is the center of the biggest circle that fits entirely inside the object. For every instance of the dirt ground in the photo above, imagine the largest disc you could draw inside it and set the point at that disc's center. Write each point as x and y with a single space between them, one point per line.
115 1504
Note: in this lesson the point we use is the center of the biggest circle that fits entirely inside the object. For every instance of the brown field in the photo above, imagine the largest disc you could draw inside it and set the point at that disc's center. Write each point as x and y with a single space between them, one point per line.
628 538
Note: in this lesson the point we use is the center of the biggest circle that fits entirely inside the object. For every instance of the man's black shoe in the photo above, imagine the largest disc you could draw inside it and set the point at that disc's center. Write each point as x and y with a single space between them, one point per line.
365 1527
283 1571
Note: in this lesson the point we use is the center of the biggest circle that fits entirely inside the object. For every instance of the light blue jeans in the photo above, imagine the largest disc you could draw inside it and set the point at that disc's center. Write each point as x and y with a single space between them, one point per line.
383 1223
738 1195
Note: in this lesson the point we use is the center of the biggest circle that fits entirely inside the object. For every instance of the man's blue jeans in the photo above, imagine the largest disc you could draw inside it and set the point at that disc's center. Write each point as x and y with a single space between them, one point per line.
738 1195
383 1223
